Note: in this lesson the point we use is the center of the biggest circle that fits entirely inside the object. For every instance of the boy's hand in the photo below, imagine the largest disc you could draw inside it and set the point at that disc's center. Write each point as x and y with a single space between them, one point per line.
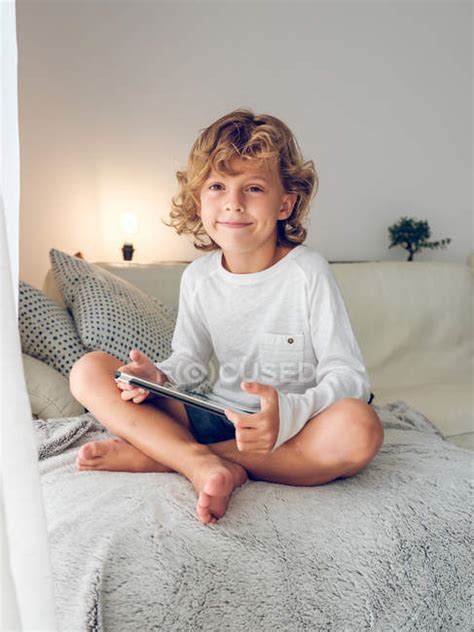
141 366
257 433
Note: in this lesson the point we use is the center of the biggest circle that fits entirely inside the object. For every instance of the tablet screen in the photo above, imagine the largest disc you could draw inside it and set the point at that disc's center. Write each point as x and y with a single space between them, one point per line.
213 403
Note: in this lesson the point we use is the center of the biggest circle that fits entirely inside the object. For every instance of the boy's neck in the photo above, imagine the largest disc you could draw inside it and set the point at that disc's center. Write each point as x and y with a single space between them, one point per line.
245 263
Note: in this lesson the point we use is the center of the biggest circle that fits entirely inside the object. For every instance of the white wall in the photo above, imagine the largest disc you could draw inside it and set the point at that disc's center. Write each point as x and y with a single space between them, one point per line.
113 94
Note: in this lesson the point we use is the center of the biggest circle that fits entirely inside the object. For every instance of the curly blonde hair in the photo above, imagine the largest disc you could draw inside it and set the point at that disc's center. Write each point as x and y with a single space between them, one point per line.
242 134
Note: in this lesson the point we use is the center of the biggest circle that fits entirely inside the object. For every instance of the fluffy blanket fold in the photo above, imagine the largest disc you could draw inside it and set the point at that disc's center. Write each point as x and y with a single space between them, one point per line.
387 549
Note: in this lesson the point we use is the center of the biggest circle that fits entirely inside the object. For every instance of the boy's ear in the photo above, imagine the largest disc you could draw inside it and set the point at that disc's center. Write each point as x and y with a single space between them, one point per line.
289 202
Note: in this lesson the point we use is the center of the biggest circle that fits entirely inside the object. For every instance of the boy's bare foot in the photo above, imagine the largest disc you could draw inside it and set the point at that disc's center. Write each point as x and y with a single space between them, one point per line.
214 479
214 482
116 455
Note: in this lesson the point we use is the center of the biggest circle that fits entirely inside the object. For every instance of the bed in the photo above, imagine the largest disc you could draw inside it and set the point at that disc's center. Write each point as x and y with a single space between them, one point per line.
387 549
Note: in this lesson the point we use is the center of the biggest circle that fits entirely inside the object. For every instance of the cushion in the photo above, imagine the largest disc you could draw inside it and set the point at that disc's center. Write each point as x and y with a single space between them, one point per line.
48 391
50 288
47 330
110 314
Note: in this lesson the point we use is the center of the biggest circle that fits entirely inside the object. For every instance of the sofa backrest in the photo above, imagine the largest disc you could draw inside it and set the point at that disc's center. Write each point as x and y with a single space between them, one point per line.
415 316
410 318
158 279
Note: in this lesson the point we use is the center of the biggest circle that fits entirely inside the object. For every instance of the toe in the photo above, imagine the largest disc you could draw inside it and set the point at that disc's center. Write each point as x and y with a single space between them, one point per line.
80 461
204 501
203 515
88 451
203 508
82 452
85 459
94 450
83 466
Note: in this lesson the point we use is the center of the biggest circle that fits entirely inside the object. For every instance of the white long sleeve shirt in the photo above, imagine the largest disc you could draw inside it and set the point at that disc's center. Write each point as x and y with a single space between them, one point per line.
286 326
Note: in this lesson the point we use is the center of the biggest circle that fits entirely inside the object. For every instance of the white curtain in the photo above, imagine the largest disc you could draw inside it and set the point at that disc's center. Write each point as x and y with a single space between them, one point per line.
27 594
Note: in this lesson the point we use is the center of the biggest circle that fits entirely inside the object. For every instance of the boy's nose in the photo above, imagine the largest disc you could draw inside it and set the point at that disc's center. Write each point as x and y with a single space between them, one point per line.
233 207
233 204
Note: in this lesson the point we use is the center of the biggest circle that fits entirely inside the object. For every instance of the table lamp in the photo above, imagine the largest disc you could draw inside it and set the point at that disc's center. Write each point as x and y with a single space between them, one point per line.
129 224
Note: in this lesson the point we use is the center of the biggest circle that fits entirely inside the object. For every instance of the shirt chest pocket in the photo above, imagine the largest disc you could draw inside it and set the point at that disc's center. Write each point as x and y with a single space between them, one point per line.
281 355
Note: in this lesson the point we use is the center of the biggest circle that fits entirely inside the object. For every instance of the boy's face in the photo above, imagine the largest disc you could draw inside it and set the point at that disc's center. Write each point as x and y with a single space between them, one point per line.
240 213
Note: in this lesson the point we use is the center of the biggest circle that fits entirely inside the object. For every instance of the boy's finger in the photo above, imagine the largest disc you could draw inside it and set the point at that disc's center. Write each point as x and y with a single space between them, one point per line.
266 392
142 396
133 392
125 368
124 386
245 444
235 418
231 416
136 356
247 422
130 367
242 421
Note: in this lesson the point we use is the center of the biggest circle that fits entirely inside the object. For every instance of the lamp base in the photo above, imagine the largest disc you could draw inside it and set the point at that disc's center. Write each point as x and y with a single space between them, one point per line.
127 251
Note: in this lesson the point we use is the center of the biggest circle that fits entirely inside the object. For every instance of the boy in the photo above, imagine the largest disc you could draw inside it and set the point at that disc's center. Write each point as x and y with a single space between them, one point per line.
270 309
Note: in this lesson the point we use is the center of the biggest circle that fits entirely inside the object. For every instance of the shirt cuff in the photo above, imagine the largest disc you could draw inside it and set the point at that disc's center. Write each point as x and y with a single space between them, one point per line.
285 410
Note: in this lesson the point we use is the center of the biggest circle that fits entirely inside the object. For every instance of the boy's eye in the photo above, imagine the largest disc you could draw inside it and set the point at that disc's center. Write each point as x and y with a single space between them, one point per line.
254 187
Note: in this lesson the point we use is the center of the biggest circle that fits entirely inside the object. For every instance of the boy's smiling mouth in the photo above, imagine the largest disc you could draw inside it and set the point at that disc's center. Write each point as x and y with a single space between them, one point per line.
234 224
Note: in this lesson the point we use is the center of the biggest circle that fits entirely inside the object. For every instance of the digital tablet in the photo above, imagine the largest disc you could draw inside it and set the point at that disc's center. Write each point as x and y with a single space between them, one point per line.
204 402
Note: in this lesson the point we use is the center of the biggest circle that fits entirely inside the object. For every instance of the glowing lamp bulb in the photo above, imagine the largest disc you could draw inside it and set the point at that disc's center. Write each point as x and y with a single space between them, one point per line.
129 224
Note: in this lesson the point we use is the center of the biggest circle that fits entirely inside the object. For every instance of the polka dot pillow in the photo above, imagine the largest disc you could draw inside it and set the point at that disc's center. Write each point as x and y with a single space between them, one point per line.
110 314
47 331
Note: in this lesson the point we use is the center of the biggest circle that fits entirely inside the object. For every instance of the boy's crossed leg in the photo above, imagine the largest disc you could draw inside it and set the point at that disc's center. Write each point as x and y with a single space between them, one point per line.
338 442
334 445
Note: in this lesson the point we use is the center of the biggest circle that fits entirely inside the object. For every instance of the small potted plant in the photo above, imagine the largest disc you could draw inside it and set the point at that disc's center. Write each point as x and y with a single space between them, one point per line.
413 235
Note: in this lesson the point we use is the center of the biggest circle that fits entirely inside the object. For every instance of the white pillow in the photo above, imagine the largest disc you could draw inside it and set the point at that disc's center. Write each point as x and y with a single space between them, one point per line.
48 390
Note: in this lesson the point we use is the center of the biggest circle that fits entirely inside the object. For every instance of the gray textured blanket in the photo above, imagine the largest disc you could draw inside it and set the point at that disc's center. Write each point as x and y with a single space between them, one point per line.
387 549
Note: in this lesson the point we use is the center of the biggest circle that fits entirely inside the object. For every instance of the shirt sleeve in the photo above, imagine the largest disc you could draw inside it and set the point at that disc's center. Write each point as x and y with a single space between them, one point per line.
188 364
340 371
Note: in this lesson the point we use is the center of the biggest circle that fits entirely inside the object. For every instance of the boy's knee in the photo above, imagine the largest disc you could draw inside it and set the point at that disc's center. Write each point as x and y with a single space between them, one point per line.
355 434
78 370
369 434
369 441
83 370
